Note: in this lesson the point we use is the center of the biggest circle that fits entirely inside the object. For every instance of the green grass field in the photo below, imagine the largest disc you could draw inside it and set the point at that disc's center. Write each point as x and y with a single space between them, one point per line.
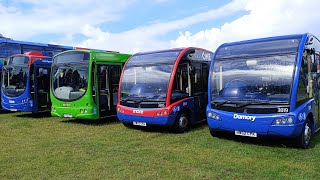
53 148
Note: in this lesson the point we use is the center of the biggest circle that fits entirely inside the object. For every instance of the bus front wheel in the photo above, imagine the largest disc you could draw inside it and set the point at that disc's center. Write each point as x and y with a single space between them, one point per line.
129 125
303 140
213 132
182 123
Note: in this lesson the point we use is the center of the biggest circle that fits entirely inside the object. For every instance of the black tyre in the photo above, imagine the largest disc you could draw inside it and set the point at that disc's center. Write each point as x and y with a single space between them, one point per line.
181 123
213 133
129 125
303 140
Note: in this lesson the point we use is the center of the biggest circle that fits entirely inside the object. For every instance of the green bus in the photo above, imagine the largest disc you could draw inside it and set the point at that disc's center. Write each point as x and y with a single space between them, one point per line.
84 83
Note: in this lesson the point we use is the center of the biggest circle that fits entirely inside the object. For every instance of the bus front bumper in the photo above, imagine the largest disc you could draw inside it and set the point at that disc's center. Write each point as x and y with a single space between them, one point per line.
77 113
21 107
149 120
262 129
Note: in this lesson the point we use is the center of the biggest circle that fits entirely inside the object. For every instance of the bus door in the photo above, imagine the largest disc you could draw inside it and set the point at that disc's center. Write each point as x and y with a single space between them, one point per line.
200 88
41 88
108 80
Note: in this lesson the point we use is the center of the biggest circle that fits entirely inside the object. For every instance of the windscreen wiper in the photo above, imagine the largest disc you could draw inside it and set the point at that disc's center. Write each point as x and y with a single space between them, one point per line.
125 100
217 104
134 99
259 102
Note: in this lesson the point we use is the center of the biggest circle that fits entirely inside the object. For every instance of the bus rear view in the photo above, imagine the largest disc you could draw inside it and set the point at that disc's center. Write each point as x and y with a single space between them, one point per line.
266 87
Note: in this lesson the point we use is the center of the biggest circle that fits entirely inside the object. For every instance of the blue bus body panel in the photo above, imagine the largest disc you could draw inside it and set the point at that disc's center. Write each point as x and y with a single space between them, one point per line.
264 124
23 103
4 40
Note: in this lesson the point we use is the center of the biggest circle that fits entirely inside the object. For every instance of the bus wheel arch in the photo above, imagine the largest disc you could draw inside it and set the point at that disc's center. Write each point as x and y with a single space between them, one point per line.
182 121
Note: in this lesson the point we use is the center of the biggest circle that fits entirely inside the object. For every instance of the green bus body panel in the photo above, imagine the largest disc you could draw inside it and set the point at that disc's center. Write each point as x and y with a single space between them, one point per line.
61 108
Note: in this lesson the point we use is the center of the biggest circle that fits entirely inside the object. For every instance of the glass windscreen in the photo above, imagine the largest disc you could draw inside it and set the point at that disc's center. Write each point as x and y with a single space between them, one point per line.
266 78
146 77
14 80
70 75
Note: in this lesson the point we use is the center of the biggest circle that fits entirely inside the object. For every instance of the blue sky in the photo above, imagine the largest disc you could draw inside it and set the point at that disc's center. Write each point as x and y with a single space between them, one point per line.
141 25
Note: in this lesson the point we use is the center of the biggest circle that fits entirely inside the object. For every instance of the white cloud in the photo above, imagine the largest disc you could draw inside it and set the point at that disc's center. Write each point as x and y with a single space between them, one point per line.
148 37
37 17
266 18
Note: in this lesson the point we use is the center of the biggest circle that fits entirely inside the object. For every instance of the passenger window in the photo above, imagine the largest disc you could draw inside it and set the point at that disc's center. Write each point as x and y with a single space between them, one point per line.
197 78
180 88
93 83
305 85
204 77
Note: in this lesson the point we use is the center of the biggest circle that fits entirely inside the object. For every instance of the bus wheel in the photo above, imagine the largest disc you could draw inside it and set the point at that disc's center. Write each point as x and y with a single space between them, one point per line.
129 125
213 132
181 123
303 140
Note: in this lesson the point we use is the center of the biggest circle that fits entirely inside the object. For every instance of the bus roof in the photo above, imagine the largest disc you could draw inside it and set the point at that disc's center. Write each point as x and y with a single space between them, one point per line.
103 56
254 47
5 40
158 51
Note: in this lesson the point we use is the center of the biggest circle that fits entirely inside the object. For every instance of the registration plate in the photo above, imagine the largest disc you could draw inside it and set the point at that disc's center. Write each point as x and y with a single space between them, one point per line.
13 110
244 133
139 123
67 115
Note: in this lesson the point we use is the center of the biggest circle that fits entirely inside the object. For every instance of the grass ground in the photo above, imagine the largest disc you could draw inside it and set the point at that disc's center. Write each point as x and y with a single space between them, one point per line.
47 147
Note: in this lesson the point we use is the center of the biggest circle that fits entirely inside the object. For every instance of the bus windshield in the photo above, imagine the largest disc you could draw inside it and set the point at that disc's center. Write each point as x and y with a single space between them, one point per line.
146 77
266 78
14 80
70 75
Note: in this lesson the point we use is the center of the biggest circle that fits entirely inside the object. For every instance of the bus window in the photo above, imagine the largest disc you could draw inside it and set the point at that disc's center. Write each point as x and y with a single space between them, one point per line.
204 77
305 85
180 87
43 87
197 79
93 78
115 75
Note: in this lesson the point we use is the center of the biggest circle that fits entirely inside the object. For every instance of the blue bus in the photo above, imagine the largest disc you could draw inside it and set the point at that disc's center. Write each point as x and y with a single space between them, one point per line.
26 83
9 47
266 87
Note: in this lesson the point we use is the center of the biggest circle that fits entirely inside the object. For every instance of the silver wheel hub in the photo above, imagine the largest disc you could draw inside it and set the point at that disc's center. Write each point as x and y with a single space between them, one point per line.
183 121
307 134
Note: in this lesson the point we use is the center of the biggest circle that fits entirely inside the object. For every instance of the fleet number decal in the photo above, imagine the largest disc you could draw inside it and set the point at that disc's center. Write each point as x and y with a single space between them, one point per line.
283 110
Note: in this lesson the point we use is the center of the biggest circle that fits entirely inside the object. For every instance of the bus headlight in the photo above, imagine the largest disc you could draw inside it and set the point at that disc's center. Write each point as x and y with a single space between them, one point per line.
283 121
213 116
162 113
120 110
31 103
